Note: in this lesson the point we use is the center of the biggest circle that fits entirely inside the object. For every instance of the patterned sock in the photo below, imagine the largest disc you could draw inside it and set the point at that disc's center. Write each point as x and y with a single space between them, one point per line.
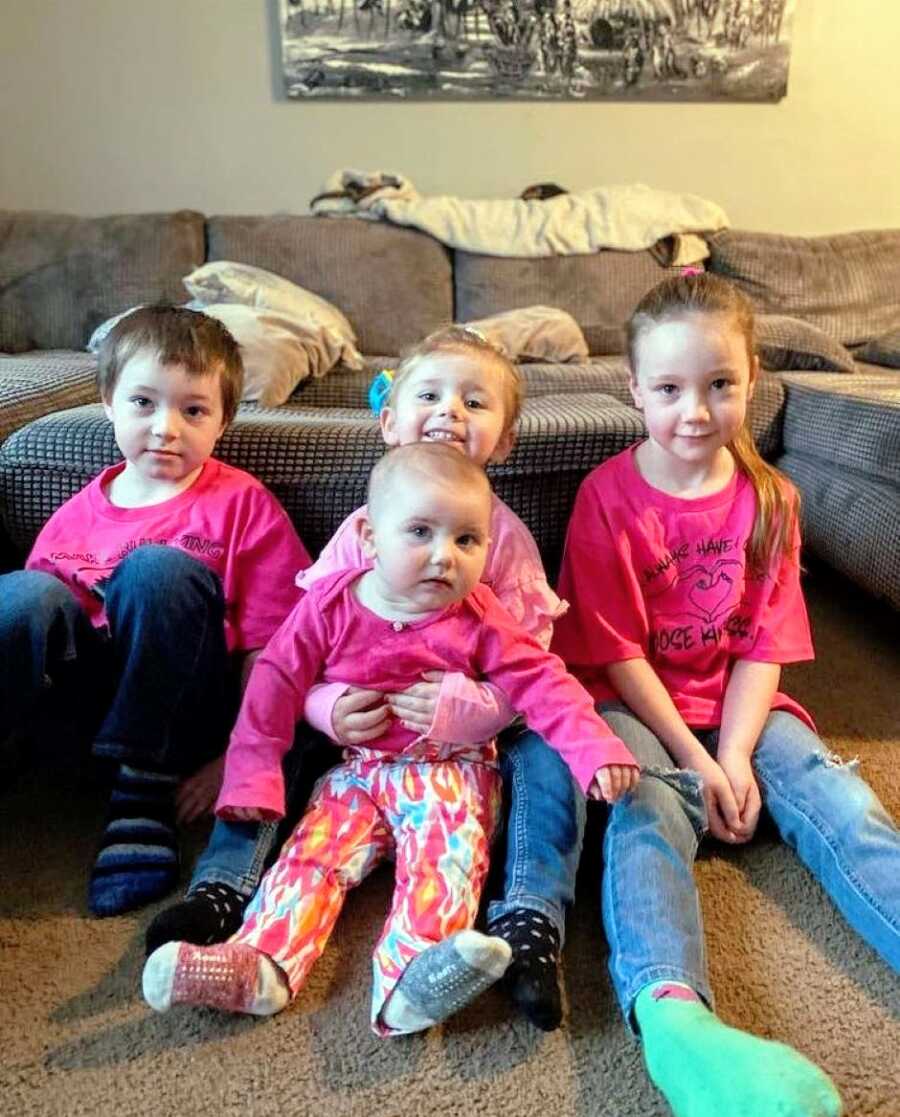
230 976
532 980
444 978
210 913
138 858
706 1069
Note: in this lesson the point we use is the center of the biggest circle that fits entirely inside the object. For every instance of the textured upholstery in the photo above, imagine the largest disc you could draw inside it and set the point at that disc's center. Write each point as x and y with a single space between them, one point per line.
599 290
317 462
36 383
851 422
851 520
61 276
393 284
848 285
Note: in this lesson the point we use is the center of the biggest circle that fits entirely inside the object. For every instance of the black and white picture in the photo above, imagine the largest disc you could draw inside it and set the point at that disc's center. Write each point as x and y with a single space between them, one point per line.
627 50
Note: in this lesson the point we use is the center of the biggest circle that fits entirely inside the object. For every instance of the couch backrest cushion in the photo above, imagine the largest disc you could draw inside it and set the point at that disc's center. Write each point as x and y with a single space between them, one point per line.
62 275
394 285
599 291
848 284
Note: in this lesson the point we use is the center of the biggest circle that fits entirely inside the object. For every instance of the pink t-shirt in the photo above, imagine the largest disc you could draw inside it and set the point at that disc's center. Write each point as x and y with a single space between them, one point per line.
660 577
514 572
330 635
227 520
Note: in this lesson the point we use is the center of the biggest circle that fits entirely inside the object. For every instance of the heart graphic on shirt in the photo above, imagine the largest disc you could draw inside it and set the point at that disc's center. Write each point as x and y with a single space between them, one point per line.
710 593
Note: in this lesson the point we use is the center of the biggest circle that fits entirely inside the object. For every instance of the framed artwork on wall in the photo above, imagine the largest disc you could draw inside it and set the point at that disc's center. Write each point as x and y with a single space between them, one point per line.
551 50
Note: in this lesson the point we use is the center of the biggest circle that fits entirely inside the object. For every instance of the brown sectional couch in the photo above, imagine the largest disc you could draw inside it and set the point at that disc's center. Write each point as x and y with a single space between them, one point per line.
837 435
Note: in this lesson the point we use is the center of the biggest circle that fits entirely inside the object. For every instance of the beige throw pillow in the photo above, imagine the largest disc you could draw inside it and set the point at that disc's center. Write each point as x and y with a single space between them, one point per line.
277 350
223 281
535 333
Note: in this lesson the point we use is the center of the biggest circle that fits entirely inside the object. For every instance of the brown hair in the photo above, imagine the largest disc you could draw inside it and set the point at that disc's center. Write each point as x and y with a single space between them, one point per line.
471 343
777 501
433 461
176 336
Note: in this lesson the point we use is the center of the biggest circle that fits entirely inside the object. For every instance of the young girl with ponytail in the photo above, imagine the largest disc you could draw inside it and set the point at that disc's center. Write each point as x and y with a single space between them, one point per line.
682 569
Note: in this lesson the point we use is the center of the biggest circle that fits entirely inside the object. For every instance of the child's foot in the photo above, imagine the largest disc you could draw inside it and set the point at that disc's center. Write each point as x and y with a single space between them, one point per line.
211 913
231 977
443 978
532 980
706 1069
138 858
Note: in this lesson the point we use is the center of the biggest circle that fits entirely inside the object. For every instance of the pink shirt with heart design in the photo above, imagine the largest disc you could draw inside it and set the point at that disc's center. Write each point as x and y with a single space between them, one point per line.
654 576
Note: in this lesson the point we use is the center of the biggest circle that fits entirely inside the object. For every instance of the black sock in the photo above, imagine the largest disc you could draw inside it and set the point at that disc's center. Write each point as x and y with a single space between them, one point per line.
138 858
211 913
532 979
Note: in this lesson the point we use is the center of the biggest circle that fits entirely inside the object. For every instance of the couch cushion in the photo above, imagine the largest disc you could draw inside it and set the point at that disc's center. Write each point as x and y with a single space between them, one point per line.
883 350
393 284
34 384
61 275
848 285
317 462
849 422
851 521
786 343
599 291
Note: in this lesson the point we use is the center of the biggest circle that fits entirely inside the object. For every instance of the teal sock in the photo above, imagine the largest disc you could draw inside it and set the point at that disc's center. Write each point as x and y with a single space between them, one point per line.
138 858
706 1069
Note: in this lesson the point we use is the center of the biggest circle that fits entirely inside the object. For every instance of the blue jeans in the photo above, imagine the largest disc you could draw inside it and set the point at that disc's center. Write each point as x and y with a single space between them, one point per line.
544 829
828 815
238 853
544 832
150 689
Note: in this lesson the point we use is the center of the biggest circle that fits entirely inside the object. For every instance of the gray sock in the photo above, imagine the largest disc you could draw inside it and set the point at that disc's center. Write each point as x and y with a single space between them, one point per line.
444 978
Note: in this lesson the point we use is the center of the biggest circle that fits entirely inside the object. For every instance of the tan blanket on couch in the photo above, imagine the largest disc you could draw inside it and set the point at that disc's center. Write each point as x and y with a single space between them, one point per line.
631 217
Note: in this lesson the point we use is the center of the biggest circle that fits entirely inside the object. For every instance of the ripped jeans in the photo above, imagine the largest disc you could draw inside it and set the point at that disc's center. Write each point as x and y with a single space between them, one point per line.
822 808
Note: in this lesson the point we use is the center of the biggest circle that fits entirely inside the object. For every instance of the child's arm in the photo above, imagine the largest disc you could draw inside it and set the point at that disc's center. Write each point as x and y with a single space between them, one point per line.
554 703
643 692
747 702
253 785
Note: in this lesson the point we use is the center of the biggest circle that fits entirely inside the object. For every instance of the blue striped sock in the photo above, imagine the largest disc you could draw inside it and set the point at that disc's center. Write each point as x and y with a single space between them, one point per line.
138 858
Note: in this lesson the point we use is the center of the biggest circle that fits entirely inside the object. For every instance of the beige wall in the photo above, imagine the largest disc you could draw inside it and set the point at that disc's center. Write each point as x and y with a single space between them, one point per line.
129 105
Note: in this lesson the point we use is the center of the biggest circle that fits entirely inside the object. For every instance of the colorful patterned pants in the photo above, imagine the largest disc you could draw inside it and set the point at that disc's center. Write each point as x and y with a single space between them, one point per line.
437 819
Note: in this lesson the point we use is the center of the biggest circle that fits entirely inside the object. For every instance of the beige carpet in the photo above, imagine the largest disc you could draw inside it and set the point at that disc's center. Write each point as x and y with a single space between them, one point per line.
75 1037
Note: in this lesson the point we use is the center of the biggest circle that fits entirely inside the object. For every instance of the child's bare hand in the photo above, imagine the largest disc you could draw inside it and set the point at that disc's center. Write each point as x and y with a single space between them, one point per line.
197 794
414 707
739 773
722 810
359 716
612 781
244 814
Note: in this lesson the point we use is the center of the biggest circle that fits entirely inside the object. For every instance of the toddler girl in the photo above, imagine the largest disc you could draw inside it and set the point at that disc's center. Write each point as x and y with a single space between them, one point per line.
430 801
682 563
456 389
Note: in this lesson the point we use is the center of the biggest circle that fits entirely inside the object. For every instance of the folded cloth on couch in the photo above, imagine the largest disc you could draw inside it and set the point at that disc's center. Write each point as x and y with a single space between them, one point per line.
632 217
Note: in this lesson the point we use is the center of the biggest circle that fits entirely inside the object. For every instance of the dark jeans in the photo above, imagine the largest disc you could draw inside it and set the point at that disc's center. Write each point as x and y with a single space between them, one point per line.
152 688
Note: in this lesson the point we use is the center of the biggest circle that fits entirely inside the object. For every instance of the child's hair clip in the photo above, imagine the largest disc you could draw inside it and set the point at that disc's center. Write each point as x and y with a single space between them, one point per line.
380 389
475 332
692 270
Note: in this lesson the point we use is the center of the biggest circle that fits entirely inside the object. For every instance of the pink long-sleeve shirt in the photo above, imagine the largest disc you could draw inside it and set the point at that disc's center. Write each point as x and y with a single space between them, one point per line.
331 635
467 711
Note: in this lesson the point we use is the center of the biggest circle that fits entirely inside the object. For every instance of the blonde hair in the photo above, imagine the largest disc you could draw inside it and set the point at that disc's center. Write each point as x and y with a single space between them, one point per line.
777 501
470 343
431 461
176 336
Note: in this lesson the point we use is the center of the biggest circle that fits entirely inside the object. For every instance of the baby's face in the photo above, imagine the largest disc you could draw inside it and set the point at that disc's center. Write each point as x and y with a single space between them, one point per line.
430 542
451 398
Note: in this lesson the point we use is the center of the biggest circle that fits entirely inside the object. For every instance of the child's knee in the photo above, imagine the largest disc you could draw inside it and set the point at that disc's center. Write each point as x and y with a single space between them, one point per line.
32 598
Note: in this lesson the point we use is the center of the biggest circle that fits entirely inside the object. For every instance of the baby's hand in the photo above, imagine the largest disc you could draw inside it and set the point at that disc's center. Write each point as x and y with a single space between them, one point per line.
414 707
244 814
612 781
